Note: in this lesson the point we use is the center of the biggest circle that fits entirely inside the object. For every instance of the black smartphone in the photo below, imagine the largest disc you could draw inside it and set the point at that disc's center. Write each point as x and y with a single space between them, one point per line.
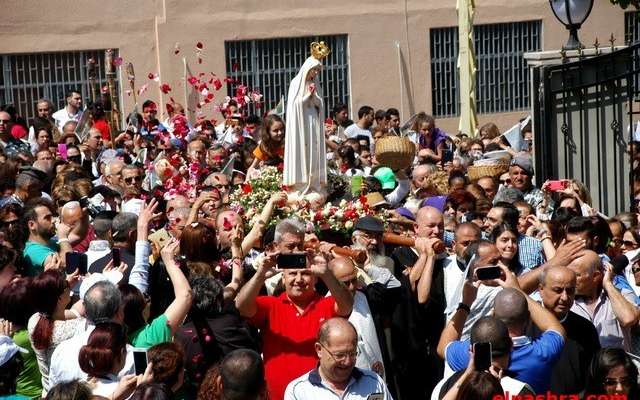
75 261
292 261
140 360
488 273
447 156
482 356
115 256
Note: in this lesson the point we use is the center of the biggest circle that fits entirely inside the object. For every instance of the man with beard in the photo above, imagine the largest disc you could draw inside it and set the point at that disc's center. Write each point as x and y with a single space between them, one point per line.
39 249
367 236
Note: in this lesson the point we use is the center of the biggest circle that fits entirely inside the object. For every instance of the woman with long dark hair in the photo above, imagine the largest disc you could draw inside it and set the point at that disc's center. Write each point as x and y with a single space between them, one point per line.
50 325
505 238
612 372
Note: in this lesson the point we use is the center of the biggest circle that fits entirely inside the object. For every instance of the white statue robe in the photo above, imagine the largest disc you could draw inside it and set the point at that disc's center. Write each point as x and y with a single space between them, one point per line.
305 159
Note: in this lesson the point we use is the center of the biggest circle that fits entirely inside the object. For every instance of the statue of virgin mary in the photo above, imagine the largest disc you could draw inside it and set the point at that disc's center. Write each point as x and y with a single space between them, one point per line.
305 159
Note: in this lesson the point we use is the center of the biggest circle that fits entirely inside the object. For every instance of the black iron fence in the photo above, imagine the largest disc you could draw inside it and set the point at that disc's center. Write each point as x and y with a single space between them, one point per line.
584 119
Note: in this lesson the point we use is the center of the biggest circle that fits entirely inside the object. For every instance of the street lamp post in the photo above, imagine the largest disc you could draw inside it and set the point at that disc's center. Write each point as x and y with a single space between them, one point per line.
572 14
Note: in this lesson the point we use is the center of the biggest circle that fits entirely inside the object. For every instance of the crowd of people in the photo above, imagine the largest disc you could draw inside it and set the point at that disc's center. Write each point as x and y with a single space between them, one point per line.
125 272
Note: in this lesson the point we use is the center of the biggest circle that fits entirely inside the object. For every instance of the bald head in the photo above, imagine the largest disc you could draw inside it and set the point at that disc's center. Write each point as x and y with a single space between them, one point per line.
510 306
429 223
554 274
6 121
588 270
588 261
342 267
178 202
336 328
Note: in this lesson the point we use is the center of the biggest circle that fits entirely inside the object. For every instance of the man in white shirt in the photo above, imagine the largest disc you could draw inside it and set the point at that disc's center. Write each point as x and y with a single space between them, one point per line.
336 374
369 353
366 116
102 303
71 112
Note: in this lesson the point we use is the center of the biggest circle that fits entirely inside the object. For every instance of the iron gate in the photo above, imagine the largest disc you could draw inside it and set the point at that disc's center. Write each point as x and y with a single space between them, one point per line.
583 122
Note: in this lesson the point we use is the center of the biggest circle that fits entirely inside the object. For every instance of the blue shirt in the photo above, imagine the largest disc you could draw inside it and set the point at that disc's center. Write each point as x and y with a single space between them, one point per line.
532 360
530 252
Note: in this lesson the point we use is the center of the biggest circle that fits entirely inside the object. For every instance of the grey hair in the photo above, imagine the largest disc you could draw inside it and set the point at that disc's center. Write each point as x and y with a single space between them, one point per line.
111 164
130 167
70 205
290 225
25 180
102 302
69 123
122 224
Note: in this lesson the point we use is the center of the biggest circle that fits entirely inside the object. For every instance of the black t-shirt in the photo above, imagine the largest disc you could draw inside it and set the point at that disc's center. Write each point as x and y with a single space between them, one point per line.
580 345
223 334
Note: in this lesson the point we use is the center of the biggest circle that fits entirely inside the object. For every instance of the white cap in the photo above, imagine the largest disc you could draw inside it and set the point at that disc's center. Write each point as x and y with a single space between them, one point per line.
133 206
8 349
112 276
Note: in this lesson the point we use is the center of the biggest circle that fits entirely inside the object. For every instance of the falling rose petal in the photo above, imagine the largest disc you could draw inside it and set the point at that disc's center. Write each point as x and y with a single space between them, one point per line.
170 108
143 89
204 92
199 60
201 74
176 48
171 100
235 66
165 88
217 84
128 92
192 80
151 75
210 96
199 45
117 61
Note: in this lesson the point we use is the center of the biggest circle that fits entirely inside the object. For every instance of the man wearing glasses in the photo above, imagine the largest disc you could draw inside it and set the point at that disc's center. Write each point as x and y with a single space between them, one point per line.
132 177
336 373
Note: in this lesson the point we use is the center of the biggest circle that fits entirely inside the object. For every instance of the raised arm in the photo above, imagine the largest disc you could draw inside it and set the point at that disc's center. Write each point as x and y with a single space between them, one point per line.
426 278
237 274
139 276
195 209
626 312
260 226
344 299
179 307
453 330
246 299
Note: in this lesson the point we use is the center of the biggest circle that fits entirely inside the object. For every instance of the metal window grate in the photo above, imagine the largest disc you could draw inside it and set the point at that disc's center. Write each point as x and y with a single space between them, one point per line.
268 65
631 27
502 79
25 78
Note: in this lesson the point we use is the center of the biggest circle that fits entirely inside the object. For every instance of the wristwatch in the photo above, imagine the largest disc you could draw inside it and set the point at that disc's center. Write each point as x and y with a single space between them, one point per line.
462 306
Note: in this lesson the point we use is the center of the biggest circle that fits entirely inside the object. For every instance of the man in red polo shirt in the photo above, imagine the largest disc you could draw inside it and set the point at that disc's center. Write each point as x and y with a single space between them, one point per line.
289 323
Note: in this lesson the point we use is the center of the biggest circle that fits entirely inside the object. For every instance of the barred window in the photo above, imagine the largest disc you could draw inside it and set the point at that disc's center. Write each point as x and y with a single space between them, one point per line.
631 27
26 78
502 79
268 65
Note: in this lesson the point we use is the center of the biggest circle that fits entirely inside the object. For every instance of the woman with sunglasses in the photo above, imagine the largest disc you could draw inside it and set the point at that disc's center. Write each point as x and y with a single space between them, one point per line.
630 240
612 372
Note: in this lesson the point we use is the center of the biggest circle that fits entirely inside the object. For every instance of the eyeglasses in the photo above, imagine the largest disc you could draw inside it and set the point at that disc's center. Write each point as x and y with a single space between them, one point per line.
614 382
131 179
629 243
341 356
636 269
505 181
4 121
352 281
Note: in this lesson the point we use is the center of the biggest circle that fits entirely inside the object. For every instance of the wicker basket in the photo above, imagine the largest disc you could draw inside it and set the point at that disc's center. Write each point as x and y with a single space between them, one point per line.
395 152
476 172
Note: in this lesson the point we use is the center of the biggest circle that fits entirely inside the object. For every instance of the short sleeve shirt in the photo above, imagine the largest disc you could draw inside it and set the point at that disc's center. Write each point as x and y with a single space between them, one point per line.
35 255
532 360
288 337
151 334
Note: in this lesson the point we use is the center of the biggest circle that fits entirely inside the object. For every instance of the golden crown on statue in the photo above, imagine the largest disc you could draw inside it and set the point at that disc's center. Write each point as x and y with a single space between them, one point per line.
319 50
